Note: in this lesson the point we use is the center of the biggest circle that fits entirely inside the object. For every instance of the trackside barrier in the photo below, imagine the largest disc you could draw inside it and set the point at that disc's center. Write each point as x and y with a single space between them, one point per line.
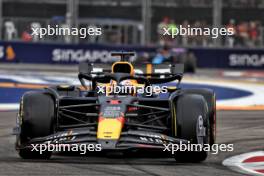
62 53
45 53
229 58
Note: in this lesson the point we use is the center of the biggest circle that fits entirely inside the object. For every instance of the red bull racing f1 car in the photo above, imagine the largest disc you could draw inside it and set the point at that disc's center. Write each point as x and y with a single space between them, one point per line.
119 121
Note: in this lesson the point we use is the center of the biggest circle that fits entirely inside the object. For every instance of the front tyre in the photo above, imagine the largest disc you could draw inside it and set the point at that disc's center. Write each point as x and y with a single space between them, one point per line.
193 125
210 98
35 119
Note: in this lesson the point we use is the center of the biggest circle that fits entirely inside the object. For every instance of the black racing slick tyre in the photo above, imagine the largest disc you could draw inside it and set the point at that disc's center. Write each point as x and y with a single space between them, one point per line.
35 118
193 123
210 98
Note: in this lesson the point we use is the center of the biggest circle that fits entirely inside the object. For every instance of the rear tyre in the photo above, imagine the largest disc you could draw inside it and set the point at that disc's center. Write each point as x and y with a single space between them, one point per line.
35 119
192 125
210 98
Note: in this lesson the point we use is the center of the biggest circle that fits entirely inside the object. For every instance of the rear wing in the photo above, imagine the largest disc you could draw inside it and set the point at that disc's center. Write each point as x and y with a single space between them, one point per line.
153 74
160 69
123 55
140 69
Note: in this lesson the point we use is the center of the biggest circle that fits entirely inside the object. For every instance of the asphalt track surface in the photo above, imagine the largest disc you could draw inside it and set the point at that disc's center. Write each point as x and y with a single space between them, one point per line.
242 128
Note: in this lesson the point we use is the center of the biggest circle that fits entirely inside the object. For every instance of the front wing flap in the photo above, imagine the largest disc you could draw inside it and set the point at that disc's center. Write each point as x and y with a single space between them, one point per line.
128 140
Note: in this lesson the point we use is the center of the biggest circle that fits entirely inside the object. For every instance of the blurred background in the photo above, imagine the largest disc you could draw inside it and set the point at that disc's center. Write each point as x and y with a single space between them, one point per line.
135 21
134 25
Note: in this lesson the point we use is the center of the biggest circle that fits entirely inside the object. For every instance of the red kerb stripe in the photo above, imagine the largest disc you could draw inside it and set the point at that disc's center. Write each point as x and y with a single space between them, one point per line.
254 159
260 171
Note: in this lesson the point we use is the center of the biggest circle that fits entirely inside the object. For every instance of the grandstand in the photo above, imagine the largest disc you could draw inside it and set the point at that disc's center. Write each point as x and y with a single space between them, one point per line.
134 22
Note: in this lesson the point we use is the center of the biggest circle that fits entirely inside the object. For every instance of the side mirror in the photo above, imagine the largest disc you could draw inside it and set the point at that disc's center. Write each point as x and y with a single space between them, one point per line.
85 67
177 69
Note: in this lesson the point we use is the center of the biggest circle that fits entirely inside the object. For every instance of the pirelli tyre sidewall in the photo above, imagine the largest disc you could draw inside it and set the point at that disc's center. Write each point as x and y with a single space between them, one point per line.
35 120
191 109
210 98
